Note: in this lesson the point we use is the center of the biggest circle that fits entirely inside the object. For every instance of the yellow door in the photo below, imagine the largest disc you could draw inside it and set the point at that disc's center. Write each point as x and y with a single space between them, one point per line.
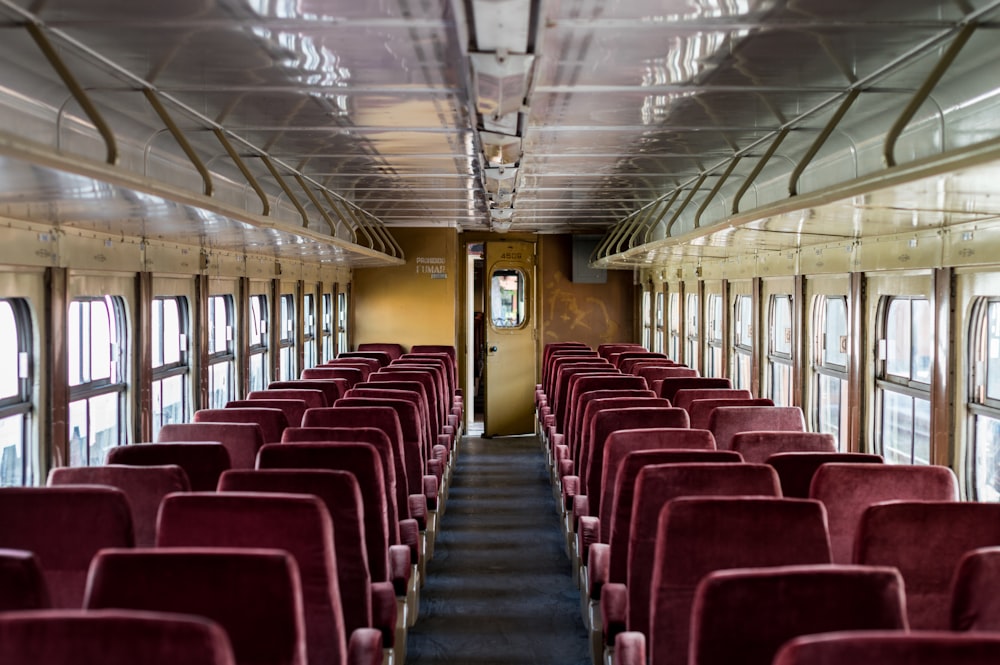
510 338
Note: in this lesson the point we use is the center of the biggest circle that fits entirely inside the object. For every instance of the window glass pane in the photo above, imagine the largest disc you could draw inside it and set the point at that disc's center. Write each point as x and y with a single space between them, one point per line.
342 332
646 319
172 331
507 298
781 325
309 315
897 339
94 428
287 332
921 431
288 363
992 349
897 427
835 332
258 320
168 402
715 361
220 384
923 333
220 324
258 371
10 385
831 397
76 334
743 364
781 384
715 320
693 358
11 451
744 321
674 316
987 459
100 340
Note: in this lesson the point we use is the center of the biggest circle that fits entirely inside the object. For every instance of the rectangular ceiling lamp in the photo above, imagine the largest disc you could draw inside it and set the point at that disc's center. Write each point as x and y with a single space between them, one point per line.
502 25
500 83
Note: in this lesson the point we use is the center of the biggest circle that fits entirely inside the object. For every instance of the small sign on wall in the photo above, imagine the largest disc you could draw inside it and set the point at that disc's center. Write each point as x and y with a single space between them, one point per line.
433 266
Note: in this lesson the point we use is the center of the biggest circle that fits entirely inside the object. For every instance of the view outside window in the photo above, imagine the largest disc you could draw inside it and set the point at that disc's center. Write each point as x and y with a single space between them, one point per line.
903 385
342 333
779 357
743 342
658 337
830 353
15 395
259 374
327 330
676 334
984 401
286 339
714 359
171 370
221 352
693 357
507 298
309 330
647 321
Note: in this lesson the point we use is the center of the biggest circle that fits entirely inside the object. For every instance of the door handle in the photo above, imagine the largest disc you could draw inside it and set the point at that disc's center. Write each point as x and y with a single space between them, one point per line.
493 349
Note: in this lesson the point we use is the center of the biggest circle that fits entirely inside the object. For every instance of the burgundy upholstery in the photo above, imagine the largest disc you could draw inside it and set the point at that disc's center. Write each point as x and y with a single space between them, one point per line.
563 398
975 603
745 615
392 468
617 347
392 349
22 583
272 421
241 439
589 403
926 540
700 410
360 459
425 378
639 353
382 357
436 348
296 523
111 637
411 428
658 373
292 408
366 365
633 364
696 536
551 352
408 390
557 363
144 487
890 648
254 594
682 398
796 470
758 446
313 397
333 389
64 527
727 421
848 489
670 385
579 385
350 374
202 461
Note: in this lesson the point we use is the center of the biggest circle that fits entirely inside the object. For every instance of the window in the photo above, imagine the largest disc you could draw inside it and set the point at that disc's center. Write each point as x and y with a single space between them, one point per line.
658 337
714 359
692 357
342 303
309 330
984 401
743 342
221 352
779 356
259 374
507 298
903 383
647 325
830 358
15 392
674 316
171 368
286 339
327 330
97 342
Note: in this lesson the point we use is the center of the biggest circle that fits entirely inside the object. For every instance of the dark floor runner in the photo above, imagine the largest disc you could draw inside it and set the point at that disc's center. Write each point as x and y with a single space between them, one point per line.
498 590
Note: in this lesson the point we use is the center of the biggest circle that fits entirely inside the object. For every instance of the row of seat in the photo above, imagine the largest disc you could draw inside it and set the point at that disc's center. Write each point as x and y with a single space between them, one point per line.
653 506
292 469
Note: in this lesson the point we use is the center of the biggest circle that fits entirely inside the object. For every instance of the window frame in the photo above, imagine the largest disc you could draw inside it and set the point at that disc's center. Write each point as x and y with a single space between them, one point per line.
181 367
777 360
822 368
979 404
692 313
741 351
287 359
20 405
228 354
714 336
259 352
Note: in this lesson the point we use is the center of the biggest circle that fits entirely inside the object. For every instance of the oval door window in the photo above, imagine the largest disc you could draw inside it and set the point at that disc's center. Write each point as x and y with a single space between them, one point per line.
507 298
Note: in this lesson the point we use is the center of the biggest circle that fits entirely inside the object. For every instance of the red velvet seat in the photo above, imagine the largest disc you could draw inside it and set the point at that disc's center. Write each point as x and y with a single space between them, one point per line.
668 386
630 355
422 377
758 446
202 461
111 637
658 373
574 427
796 470
22 583
411 391
725 422
563 399
366 365
241 439
745 615
313 397
350 374
926 540
392 349
64 527
333 389
682 398
144 487
292 408
700 410
382 357
696 536
975 603
848 489
272 421
618 347
871 647
254 594
633 364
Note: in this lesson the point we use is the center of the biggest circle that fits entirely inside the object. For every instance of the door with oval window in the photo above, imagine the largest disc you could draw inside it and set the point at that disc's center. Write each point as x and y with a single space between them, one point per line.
510 339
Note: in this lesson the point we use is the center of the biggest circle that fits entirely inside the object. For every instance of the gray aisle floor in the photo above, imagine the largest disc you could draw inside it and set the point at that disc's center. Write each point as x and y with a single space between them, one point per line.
499 591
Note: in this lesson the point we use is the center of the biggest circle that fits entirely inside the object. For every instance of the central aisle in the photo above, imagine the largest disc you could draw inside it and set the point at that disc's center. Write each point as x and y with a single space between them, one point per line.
498 590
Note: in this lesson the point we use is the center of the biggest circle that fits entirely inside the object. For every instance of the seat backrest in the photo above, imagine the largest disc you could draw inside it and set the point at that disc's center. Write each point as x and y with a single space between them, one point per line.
64 527
697 535
272 421
410 425
668 386
111 637
350 374
202 461
619 483
254 594
410 390
629 355
873 647
22 583
660 372
617 347
340 493
241 439
796 470
333 389
292 408
700 410
975 603
383 358
360 459
436 348
682 398
424 378
759 446
313 397
296 523
392 349
727 421
745 615
366 365
926 540
574 426
144 487
443 360
437 370
549 362
562 398
585 382
848 489
655 486
580 436
576 359
632 365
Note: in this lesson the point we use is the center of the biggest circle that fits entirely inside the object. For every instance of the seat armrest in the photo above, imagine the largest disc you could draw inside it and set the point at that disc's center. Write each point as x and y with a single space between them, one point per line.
384 612
588 532
598 569
431 491
399 568
630 648
614 611
580 507
409 536
365 647
570 486
418 509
